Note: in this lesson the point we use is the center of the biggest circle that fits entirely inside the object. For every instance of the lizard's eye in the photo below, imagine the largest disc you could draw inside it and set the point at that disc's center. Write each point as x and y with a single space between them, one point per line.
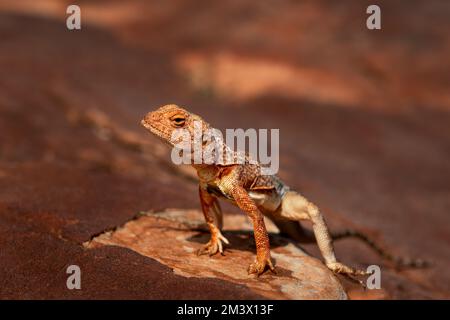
178 121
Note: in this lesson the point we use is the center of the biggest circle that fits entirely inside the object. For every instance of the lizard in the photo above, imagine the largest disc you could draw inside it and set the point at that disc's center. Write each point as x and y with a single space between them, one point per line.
257 195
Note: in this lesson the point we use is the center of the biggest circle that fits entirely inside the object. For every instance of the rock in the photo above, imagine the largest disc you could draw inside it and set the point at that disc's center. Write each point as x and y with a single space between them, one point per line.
172 237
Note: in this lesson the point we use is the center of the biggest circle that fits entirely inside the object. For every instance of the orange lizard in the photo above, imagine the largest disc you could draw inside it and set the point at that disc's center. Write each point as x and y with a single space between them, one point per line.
257 195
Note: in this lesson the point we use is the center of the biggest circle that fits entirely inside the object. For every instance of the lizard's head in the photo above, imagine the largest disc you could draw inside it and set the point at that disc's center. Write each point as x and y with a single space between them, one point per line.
165 120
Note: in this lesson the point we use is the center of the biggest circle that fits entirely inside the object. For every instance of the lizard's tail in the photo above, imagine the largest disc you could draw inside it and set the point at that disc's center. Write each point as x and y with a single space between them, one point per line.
295 231
398 261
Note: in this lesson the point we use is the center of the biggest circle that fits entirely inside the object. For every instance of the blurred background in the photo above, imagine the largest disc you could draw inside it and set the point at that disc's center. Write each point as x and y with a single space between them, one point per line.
364 119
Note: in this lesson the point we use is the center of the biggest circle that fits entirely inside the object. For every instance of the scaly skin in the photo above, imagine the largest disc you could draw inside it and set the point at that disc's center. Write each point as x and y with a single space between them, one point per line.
256 195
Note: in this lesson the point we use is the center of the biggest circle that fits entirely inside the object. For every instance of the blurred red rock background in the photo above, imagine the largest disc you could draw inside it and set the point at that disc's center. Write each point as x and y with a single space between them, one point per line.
364 120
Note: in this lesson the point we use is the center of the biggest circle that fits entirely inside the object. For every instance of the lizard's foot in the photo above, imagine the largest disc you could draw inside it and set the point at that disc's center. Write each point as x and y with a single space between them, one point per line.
340 268
259 266
214 245
348 272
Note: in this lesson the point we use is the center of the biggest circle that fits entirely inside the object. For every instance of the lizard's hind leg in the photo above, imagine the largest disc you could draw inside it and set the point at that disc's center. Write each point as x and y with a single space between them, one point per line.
296 207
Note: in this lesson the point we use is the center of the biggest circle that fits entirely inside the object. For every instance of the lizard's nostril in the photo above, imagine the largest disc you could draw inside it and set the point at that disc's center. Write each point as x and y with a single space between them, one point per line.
151 116
148 117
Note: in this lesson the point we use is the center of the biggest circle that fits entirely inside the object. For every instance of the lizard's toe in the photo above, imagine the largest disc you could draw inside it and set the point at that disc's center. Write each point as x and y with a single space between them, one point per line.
258 267
221 237
348 272
210 248
341 268
213 246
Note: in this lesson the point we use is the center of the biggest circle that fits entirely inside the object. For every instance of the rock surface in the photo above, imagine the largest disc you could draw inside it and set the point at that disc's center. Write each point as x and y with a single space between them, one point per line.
169 238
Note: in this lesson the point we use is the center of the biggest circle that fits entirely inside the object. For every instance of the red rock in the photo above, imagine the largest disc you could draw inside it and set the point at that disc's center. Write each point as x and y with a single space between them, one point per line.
169 238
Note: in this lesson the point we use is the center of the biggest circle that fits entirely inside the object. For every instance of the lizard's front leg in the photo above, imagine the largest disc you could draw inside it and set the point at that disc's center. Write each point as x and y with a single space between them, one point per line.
247 205
214 221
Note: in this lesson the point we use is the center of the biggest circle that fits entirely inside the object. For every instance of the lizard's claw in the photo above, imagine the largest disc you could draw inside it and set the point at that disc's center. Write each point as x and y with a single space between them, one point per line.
213 246
259 266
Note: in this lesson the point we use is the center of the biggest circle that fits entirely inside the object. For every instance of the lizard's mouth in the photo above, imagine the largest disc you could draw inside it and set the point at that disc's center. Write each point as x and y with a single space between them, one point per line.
146 125
155 131
151 128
